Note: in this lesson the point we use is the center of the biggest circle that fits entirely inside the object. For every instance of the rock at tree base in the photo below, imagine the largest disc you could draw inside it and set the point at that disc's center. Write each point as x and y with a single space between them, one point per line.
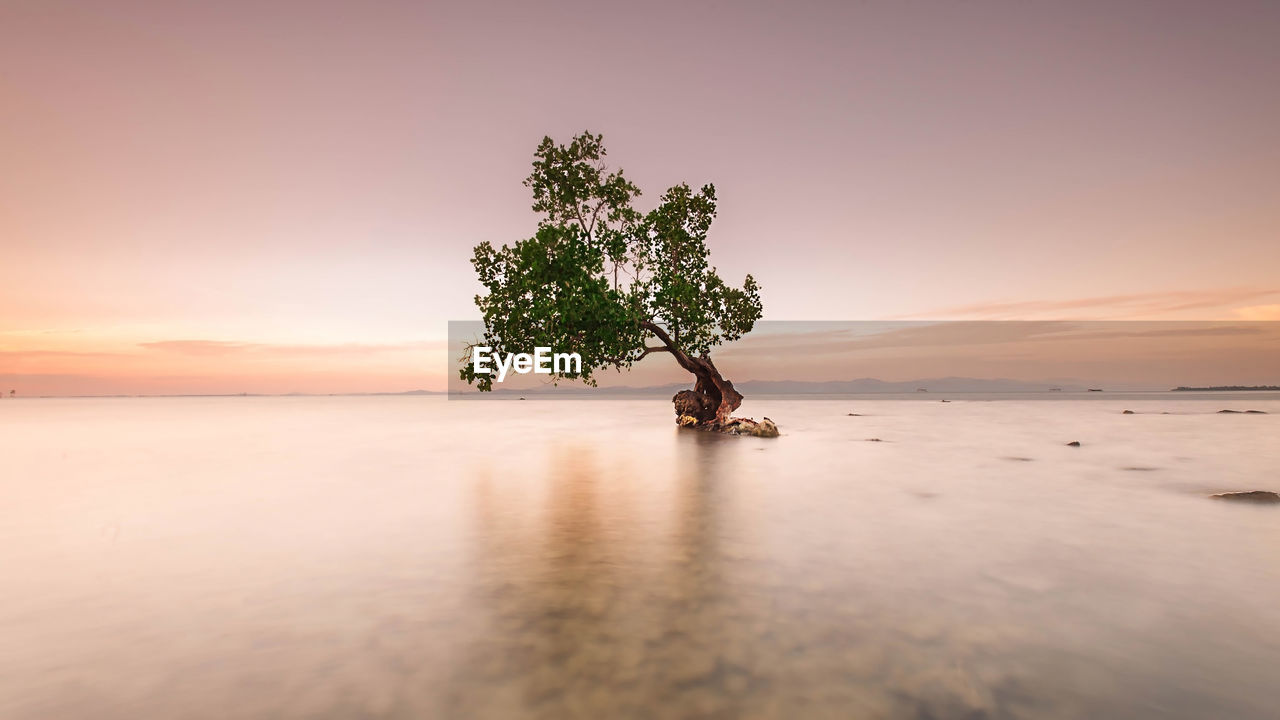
698 410
695 405
745 426
736 426
1254 496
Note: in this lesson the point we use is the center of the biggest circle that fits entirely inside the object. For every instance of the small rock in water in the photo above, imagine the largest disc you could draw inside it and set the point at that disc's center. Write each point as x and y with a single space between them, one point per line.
1127 412
1255 412
765 428
1242 412
874 440
1263 497
855 414
744 426
1074 443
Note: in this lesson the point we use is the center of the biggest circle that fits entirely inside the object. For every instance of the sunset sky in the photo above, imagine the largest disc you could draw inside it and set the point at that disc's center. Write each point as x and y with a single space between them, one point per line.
201 197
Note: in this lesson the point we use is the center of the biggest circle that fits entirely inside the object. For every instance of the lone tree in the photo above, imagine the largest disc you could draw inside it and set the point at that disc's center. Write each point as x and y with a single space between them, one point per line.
612 284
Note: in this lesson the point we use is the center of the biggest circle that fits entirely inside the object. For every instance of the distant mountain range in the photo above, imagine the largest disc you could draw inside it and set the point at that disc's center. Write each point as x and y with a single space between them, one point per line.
775 387
778 387
821 387
1227 388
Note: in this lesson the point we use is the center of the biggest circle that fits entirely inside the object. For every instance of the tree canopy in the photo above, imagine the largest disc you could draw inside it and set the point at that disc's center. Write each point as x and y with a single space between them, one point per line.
604 280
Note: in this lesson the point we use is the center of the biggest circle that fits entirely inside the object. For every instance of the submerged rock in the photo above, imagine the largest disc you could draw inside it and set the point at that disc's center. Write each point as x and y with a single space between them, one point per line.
766 429
1261 497
736 426
746 426
1074 443
1242 412
1127 412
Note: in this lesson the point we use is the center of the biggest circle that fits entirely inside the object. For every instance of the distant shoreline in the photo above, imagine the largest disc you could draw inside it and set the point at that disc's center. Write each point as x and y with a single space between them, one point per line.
1229 388
753 388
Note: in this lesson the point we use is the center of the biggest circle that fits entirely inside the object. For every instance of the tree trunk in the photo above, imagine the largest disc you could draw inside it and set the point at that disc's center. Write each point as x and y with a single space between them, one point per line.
719 392
712 399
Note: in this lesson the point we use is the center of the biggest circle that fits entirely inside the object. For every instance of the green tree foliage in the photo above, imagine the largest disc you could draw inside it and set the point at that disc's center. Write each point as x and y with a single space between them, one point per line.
604 280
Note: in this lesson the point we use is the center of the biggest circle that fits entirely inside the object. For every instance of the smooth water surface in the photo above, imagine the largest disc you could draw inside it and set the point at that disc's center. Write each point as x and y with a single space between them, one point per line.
415 557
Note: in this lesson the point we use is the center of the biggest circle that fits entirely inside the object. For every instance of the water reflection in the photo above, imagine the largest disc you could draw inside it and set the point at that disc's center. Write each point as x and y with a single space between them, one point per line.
626 569
619 600
602 603
687 589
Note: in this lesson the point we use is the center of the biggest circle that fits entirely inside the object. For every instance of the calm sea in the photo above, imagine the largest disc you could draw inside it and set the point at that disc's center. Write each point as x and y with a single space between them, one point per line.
415 557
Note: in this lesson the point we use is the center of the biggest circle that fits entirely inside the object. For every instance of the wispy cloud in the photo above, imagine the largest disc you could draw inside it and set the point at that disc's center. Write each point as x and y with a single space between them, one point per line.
1116 307
198 347
852 338
208 348
40 354
221 366
1259 312
856 337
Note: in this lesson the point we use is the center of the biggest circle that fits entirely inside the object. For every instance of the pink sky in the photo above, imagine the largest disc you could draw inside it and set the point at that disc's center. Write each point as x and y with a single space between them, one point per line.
280 197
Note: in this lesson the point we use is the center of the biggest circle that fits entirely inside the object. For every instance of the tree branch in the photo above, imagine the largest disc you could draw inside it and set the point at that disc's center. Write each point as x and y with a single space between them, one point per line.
594 214
681 357
577 212
618 361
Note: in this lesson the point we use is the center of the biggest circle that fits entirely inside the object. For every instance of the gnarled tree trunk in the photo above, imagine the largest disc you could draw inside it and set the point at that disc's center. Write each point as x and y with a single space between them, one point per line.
712 399
720 393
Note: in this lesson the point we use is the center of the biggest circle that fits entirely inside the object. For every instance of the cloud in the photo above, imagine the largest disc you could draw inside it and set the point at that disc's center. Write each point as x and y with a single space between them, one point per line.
43 354
198 347
852 338
1259 312
855 337
1142 305
212 348
223 366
